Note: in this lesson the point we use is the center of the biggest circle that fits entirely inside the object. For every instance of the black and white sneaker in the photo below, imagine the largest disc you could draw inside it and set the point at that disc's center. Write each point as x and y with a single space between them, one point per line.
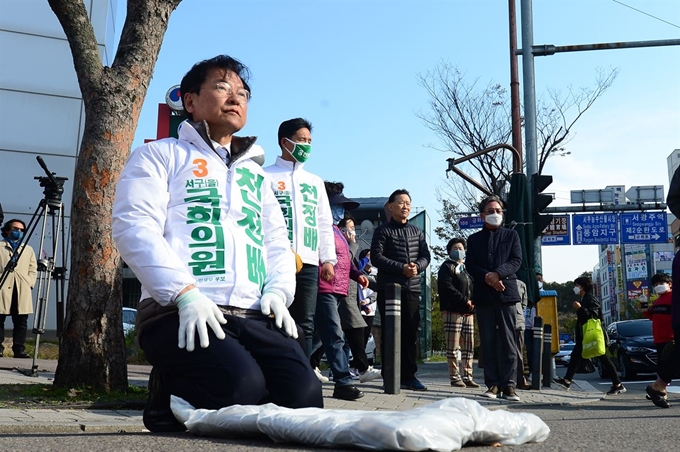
620 389
562 382
510 394
491 393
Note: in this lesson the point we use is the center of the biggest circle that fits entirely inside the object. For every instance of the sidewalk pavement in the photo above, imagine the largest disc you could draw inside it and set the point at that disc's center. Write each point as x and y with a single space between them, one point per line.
433 375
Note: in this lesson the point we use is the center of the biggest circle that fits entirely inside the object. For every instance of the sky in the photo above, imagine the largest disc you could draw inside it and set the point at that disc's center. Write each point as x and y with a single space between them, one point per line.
351 67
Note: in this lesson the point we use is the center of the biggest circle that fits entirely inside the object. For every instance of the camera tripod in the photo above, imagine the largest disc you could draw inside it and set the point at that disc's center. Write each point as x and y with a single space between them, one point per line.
50 210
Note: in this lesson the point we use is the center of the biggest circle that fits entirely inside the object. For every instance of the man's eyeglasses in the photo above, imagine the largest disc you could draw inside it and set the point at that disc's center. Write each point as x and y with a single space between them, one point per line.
18 229
403 204
492 211
225 90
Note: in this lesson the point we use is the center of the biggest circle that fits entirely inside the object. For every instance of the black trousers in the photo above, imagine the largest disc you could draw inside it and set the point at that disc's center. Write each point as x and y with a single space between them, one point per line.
20 326
410 322
304 304
355 339
669 366
369 326
496 323
576 358
256 363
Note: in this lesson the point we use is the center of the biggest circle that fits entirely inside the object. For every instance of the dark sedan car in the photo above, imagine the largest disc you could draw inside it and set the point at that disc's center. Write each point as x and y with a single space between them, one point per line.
631 348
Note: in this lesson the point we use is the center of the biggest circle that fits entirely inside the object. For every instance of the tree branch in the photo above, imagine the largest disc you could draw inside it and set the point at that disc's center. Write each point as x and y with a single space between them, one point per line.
74 19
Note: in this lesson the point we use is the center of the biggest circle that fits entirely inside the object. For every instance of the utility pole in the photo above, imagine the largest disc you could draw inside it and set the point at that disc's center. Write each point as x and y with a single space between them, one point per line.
528 51
531 153
514 80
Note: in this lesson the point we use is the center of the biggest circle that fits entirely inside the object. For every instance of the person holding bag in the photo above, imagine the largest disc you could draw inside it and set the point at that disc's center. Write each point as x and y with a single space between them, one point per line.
586 309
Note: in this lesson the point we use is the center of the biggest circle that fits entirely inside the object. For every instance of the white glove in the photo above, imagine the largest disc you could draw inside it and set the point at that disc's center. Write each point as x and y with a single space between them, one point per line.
195 311
272 303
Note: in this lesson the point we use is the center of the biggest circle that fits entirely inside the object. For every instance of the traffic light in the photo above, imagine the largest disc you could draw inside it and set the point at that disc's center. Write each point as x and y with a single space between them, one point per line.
539 201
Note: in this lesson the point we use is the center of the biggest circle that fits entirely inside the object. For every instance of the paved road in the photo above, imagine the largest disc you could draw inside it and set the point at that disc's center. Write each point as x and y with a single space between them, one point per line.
579 421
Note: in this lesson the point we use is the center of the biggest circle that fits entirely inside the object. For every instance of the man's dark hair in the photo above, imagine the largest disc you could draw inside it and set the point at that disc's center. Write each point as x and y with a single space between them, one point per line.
288 128
333 188
8 224
488 200
585 282
194 79
660 278
455 240
363 253
395 193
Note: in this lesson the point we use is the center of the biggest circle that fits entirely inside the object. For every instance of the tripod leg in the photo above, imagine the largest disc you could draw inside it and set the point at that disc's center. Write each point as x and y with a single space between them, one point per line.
45 271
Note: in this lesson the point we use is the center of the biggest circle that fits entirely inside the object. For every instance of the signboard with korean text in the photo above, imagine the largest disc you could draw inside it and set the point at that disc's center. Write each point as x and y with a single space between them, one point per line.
557 232
636 262
619 193
595 229
470 223
644 227
637 288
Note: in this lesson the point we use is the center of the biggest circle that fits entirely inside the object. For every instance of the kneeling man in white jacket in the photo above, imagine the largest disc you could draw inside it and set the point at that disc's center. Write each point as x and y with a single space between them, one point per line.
197 223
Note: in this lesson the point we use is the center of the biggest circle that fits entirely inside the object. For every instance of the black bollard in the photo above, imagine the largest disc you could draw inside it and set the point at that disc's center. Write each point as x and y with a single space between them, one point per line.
547 358
391 371
537 353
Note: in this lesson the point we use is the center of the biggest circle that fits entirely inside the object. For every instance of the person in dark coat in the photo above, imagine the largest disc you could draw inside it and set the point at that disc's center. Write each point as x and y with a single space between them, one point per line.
400 253
493 256
455 298
588 308
670 365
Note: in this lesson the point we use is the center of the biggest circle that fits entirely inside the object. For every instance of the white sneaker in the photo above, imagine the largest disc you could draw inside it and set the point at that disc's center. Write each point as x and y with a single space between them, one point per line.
320 376
369 375
354 374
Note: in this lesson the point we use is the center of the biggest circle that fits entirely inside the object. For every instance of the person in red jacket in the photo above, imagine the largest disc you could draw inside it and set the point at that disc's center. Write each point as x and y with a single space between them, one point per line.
660 314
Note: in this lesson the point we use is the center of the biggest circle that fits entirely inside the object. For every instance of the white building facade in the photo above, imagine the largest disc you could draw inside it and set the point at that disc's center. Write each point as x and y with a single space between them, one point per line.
625 271
43 112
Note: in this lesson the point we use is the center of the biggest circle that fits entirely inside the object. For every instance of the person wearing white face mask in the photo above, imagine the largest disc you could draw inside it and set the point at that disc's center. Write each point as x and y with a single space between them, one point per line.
455 297
307 211
662 329
588 307
493 256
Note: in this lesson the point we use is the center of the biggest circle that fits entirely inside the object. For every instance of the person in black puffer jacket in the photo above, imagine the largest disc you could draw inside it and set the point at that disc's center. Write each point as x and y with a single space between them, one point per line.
400 253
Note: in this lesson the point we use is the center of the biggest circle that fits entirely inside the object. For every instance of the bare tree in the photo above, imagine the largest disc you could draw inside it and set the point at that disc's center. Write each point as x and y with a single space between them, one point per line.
468 118
449 214
92 347
555 119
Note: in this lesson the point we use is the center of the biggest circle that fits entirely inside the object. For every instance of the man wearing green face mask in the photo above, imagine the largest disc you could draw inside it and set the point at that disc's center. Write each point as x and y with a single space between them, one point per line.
304 202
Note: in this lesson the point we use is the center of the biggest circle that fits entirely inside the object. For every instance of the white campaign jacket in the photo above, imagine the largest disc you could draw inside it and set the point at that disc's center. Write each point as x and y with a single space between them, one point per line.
304 202
182 216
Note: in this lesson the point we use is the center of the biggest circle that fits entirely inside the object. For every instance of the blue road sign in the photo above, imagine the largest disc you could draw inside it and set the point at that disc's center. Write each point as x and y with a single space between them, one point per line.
644 227
595 229
557 232
470 223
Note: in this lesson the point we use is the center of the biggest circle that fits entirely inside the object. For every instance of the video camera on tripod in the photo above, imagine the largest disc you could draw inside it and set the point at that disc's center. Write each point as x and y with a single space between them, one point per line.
53 185
50 207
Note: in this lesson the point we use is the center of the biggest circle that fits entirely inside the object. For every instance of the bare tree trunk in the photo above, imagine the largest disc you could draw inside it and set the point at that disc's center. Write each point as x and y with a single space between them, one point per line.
92 347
